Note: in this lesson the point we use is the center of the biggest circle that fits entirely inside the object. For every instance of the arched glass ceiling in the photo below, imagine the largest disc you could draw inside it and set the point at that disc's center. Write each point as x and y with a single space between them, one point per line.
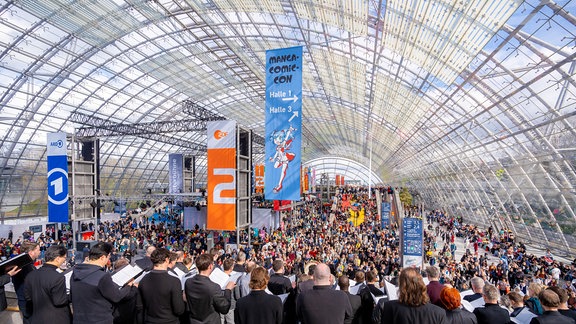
471 102
353 172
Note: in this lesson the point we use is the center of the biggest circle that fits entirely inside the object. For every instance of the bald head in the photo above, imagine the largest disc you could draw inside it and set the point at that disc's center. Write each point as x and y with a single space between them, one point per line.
322 275
149 250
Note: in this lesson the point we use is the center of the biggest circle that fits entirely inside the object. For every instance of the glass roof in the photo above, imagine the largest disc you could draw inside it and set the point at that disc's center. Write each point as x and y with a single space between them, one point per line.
471 102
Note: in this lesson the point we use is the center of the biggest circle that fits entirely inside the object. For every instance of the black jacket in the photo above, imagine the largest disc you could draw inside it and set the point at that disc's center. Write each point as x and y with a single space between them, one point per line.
4 279
258 307
162 297
356 303
206 300
368 302
45 290
552 317
398 313
460 316
492 314
94 294
278 284
323 305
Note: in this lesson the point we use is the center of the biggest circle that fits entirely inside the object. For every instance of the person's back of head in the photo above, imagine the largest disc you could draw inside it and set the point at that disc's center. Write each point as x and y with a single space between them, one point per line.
343 283
450 298
411 288
312 270
203 261
477 284
372 277
534 289
321 275
277 265
359 276
491 294
433 273
562 293
516 300
149 250
159 256
55 251
241 257
228 264
549 299
259 278
98 250
250 265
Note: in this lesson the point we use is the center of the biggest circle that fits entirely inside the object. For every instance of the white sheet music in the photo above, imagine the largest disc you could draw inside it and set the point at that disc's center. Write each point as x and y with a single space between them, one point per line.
68 277
377 298
283 297
478 303
218 276
391 290
524 317
126 274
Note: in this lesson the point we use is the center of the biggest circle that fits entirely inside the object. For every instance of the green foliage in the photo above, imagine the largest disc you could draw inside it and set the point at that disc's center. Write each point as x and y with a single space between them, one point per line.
405 197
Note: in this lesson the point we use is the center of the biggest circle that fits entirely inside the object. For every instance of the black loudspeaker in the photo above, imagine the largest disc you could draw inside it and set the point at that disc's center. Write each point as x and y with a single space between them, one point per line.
244 144
93 204
88 151
187 163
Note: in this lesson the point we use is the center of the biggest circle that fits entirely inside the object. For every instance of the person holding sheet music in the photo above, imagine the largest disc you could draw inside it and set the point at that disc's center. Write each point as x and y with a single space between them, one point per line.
371 289
355 300
258 307
228 318
278 284
93 292
322 304
520 313
4 279
452 302
161 293
491 313
45 290
205 298
550 302
413 304
33 250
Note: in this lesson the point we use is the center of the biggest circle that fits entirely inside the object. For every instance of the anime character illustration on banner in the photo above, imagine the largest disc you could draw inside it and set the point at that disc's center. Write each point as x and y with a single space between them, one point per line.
283 141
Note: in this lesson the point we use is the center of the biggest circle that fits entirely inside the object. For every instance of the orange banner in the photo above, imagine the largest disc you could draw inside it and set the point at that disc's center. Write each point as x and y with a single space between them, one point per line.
221 213
259 178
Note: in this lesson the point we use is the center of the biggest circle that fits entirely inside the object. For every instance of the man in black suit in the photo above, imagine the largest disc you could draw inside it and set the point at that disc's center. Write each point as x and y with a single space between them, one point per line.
45 290
355 300
146 263
279 284
477 287
366 295
205 298
550 302
323 304
491 313
258 307
33 250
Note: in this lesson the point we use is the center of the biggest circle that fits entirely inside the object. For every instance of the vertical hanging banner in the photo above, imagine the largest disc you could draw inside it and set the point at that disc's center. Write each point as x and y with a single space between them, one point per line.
385 214
412 241
259 178
176 172
221 175
57 178
283 123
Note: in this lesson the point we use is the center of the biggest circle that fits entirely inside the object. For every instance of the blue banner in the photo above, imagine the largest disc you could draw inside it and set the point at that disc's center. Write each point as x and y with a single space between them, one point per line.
412 242
57 178
385 214
176 174
283 123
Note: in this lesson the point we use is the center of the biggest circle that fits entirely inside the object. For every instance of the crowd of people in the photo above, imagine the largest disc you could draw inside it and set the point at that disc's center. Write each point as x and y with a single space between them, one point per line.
339 273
